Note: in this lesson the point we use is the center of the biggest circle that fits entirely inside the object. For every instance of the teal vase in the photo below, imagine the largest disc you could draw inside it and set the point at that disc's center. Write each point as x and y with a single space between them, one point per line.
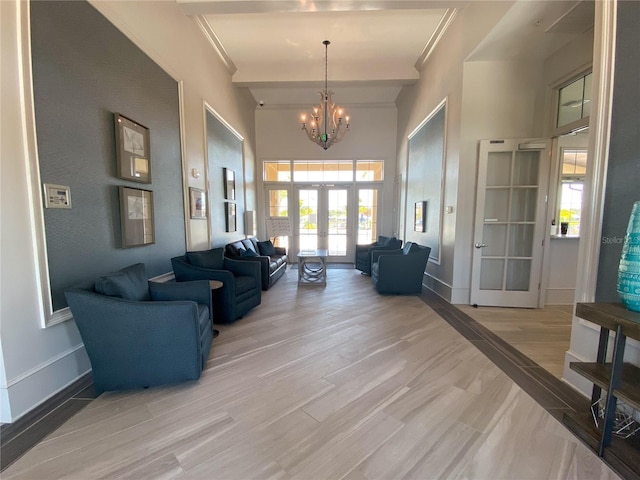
629 269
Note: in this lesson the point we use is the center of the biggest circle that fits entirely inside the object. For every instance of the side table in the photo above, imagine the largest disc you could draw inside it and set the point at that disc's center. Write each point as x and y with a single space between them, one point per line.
215 285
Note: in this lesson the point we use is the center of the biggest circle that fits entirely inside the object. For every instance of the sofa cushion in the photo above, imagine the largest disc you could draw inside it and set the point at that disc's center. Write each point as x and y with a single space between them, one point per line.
235 248
248 253
211 259
382 240
130 283
266 248
394 243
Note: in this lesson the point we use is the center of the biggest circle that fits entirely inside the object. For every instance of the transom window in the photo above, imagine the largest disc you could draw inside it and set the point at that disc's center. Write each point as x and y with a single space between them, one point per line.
324 171
574 102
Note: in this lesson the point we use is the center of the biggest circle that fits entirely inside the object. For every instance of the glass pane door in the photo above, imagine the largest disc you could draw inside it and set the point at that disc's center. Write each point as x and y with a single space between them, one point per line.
509 226
323 221
307 224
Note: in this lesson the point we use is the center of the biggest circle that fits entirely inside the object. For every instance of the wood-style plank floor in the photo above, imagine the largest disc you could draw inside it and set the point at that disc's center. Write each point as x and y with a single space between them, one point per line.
323 383
542 334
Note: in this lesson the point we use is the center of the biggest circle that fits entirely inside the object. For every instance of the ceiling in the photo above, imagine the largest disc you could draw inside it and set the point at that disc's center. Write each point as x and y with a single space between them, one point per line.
275 48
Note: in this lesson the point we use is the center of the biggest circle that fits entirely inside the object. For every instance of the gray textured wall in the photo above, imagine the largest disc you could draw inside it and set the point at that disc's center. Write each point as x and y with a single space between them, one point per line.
84 69
224 150
623 174
424 180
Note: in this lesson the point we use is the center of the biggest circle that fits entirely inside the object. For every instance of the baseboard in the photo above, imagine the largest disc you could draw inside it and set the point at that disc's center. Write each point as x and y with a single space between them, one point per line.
560 296
45 381
438 286
577 381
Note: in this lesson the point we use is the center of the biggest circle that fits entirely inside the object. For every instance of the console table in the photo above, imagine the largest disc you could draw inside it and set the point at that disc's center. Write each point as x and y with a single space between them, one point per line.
620 380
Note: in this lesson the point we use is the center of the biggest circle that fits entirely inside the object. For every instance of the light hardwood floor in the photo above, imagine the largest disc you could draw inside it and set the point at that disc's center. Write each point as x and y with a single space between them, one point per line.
542 334
323 383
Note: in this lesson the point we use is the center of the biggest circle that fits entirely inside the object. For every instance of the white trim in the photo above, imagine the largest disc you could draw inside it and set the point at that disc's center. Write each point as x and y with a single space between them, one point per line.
164 278
34 191
216 43
185 166
435 38
599 135
43 365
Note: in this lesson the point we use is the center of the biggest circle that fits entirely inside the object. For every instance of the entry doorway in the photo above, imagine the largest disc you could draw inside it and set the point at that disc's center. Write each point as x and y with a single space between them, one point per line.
322 220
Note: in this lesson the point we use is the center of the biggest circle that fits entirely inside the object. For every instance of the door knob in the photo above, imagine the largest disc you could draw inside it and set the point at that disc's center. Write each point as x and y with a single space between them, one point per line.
480 245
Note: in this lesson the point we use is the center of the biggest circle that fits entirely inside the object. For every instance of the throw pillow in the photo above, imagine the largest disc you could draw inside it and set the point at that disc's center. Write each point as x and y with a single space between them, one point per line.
248 253
210 259
129 283
266 248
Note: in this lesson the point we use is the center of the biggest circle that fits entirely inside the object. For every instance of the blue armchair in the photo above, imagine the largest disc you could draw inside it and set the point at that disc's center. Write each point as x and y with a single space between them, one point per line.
364 252
242 287
399 271
139 333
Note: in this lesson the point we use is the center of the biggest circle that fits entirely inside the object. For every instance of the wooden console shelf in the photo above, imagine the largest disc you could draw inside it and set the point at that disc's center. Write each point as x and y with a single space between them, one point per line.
620 381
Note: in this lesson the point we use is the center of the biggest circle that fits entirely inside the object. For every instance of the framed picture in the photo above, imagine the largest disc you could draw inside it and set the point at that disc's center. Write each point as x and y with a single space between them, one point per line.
136 217
419 212
56 196
229 184
198 203
230 216
132 150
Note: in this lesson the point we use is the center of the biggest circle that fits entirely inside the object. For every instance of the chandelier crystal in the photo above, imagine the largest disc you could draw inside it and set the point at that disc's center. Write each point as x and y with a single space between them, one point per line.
327 122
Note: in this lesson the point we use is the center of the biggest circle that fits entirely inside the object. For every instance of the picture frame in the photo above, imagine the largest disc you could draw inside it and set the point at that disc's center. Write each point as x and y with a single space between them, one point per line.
133 147
136 217
229 184
419 216
56 196
198 203
230 216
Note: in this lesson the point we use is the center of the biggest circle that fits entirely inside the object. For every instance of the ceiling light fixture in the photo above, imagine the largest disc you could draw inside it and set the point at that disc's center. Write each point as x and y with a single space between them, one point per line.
327 122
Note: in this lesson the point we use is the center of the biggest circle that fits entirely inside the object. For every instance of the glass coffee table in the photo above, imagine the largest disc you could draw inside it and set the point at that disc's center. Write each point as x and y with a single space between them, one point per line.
312 267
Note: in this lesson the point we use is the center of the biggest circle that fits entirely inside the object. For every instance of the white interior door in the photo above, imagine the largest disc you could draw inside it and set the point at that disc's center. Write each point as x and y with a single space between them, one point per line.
323 220
509 223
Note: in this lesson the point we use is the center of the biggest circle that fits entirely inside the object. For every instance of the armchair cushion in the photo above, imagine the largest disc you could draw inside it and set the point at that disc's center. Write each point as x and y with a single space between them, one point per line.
211 259
130 283
266 248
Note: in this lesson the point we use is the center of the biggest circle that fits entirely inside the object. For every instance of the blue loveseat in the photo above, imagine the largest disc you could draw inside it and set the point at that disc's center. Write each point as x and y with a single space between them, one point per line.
139 333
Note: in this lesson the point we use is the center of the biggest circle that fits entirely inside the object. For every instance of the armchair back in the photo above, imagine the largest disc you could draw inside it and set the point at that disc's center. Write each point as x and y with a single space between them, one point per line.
401 270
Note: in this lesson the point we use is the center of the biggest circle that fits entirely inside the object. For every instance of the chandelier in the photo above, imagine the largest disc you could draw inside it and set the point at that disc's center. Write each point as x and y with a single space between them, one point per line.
327 122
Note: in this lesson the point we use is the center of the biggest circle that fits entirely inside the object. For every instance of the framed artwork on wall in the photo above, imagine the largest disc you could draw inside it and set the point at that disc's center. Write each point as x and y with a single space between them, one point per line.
419 216
229 184
230 216
136 217
198 203
132 150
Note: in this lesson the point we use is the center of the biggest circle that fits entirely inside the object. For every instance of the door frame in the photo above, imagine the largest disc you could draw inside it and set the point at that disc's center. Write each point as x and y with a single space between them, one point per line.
323 217
540 230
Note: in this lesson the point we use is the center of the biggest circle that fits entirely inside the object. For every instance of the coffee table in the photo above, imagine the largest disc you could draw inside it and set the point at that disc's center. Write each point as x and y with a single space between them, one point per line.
312 267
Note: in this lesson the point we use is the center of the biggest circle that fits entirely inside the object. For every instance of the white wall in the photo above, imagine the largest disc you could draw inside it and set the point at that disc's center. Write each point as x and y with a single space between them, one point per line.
372 137
39 362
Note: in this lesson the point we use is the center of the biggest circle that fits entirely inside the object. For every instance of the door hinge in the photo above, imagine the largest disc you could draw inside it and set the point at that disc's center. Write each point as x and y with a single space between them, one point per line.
538 285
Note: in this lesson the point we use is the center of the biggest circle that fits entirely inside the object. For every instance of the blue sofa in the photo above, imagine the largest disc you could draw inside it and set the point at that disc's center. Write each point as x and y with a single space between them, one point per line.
400 271
241 290
272 260
141 334
364 252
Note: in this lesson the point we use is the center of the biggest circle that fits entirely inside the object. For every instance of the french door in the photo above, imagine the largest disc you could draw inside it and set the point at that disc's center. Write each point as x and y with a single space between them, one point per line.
322 220
509 223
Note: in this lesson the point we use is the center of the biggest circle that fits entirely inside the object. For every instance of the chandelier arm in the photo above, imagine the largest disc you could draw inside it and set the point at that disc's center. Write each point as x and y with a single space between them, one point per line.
327 124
